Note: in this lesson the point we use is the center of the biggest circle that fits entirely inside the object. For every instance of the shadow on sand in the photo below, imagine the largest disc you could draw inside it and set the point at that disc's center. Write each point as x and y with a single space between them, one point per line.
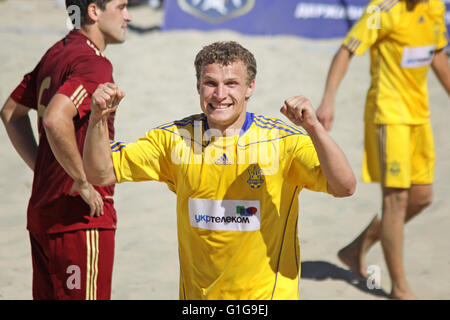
323 270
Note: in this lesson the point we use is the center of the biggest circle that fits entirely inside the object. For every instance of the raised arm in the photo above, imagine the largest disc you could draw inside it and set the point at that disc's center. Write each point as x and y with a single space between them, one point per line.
338 69
97 159
18 126
60 131
334 164
441 69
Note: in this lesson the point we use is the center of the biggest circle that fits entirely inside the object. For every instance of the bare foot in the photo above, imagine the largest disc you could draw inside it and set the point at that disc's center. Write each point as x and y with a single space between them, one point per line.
352 257
404 295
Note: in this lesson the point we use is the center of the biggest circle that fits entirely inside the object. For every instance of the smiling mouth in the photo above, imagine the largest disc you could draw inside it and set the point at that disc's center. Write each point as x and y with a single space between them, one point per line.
220 106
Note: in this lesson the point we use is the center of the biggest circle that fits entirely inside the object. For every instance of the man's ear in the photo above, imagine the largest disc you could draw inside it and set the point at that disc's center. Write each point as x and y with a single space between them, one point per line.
93 12
250 89
198 86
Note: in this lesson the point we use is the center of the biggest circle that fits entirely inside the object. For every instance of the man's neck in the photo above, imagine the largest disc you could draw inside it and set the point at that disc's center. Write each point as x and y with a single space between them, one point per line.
95 36
230 130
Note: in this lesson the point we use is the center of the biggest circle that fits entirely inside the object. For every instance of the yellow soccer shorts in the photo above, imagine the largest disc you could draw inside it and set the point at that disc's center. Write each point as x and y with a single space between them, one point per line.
398 155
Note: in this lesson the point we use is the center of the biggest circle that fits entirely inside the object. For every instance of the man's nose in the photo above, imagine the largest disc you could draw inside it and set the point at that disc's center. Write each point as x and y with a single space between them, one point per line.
127 15
220 92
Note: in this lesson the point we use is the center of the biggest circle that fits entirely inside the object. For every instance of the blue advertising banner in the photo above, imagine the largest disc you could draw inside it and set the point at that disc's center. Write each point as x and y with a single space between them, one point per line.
305 18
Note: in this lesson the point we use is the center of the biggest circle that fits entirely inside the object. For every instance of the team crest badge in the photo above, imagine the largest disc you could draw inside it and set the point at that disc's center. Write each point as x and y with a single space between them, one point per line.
394 168
216 11
255 180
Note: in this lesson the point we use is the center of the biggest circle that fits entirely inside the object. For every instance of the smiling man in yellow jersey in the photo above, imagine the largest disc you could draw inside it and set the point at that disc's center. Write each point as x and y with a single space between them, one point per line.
404 38
237 177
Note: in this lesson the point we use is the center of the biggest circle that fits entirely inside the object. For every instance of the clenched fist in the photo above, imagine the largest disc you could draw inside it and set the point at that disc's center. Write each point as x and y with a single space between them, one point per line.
105 100
300 111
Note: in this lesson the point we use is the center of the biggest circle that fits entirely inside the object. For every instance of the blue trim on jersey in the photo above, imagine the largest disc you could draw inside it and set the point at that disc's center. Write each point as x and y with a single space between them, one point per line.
266 125
249 117
187 121
190 138
118 149
247 124
387 5
182 123
205 123
115 144
275 124
275 127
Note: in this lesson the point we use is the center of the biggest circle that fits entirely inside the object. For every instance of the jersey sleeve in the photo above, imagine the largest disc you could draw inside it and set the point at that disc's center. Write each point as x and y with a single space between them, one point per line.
83 79
376 21
146 159
25 92
305 168
438 11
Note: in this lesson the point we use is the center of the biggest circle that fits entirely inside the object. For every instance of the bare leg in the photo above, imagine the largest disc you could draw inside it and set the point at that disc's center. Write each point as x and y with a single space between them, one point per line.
353 255
395 203
420 196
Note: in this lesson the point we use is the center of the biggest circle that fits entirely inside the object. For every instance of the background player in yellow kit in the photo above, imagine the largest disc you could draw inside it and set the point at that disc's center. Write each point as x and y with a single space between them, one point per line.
237 177
404 38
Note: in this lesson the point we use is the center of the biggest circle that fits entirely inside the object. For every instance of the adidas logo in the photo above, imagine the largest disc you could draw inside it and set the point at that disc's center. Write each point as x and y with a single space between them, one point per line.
421 19
223 160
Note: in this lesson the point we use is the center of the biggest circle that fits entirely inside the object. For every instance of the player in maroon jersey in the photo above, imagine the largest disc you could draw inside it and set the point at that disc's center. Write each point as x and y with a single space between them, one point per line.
71 222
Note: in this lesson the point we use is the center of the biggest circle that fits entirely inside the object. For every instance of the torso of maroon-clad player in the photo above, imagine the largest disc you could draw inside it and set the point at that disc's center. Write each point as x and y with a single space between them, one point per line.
74 67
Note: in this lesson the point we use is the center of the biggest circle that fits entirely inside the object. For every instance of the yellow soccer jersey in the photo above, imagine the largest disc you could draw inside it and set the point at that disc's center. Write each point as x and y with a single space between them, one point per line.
237 202
402 43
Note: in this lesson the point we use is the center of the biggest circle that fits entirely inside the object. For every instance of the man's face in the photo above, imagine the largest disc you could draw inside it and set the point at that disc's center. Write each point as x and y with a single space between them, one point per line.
113 21
223 94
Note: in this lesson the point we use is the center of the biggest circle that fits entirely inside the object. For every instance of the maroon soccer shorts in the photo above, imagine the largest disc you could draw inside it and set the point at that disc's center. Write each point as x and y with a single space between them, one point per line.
73 265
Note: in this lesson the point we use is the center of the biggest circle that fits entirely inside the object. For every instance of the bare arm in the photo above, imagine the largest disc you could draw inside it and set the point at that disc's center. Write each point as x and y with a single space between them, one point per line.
441 69
97 157
60 131
338 69
18 126
334 164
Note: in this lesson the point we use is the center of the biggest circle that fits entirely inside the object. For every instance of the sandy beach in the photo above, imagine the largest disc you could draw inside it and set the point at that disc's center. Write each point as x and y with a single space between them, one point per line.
156 71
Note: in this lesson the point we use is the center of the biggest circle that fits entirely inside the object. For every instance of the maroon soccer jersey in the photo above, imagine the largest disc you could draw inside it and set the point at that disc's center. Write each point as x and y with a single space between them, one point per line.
74 67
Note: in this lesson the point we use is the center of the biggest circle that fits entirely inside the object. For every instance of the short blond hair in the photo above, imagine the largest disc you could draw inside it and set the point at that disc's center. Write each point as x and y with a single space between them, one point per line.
225 53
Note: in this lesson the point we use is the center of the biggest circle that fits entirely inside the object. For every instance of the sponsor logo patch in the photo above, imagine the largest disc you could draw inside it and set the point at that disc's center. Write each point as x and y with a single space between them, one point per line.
417 57
225 215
